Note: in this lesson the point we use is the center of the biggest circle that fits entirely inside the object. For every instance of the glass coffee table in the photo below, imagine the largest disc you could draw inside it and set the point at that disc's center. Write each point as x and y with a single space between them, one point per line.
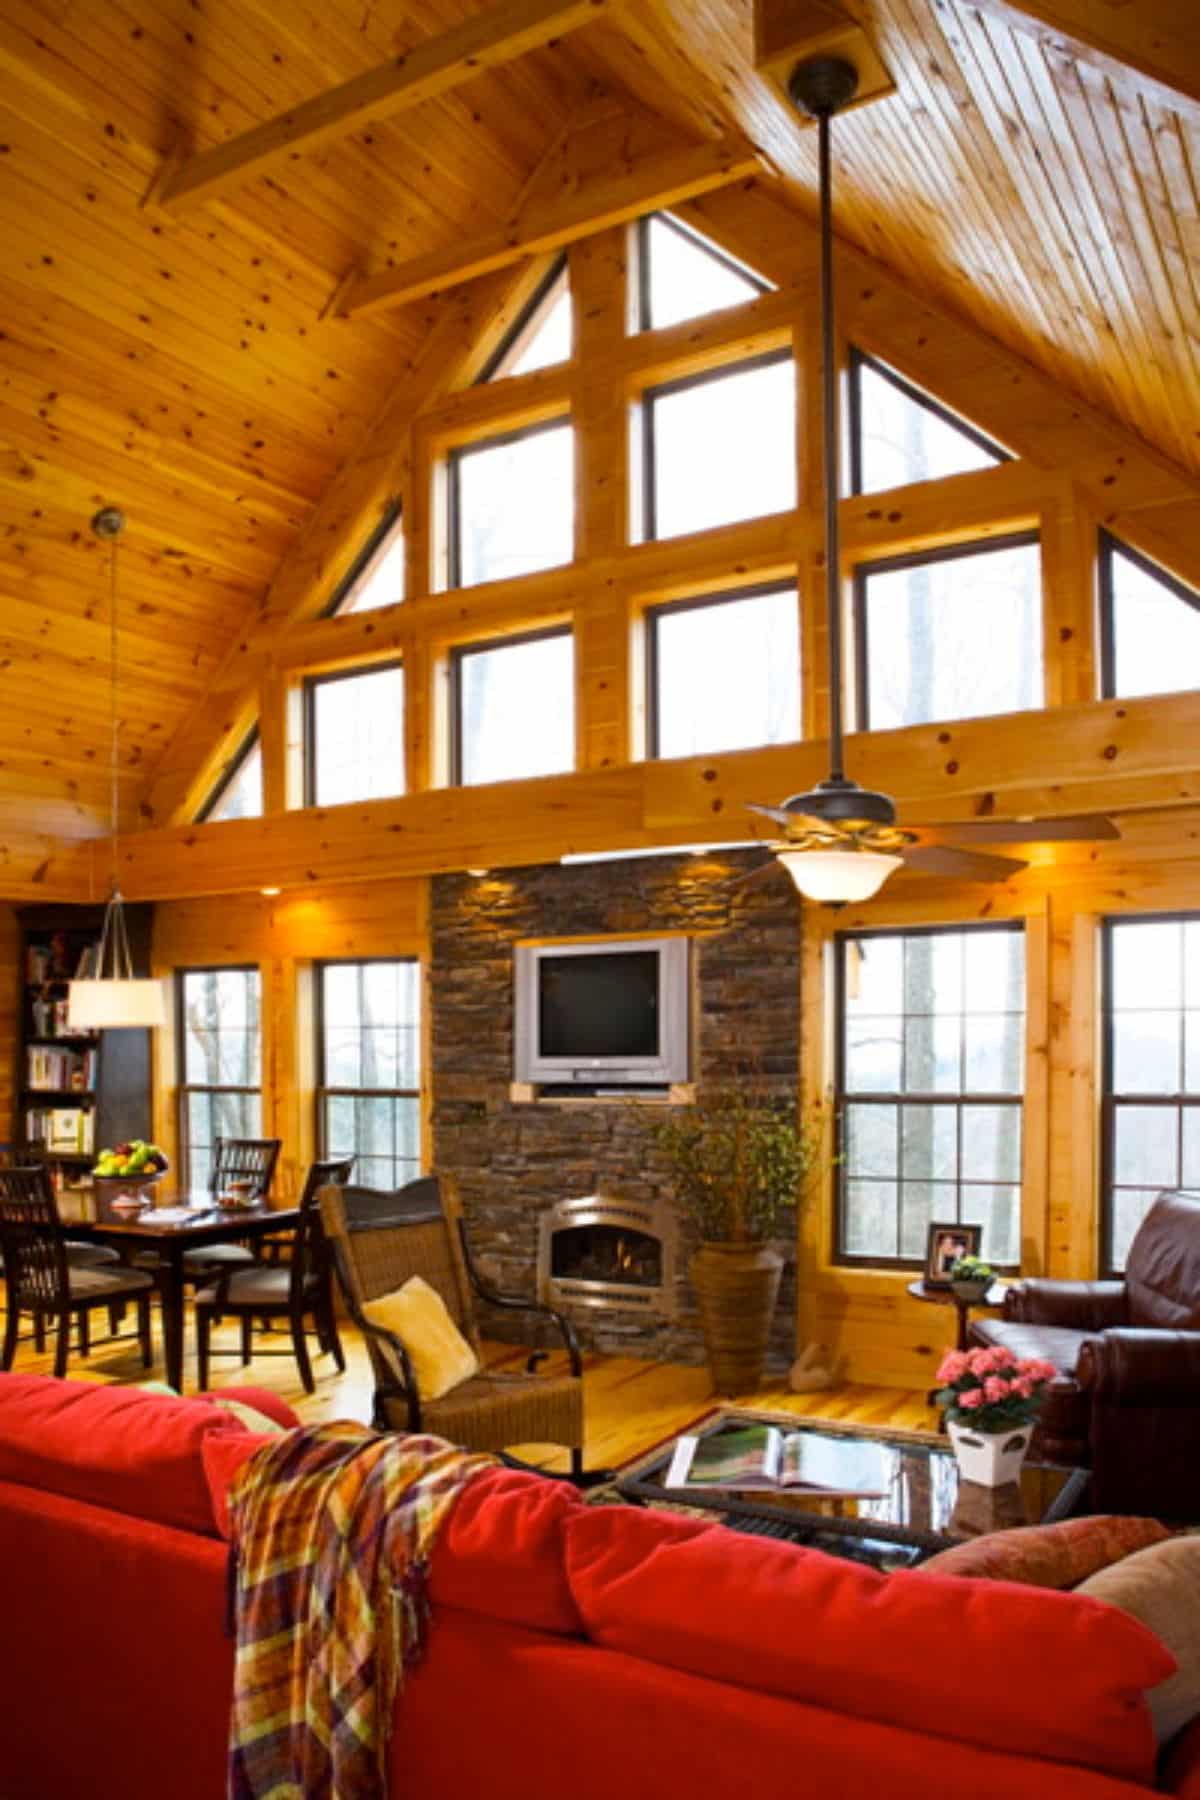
925 1508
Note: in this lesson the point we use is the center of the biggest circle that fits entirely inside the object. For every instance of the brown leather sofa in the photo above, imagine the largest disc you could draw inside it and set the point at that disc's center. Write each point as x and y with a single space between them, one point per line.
1127 1399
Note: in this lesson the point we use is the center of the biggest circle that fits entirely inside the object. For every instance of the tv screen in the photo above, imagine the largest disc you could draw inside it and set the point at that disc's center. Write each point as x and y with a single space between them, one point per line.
603 1005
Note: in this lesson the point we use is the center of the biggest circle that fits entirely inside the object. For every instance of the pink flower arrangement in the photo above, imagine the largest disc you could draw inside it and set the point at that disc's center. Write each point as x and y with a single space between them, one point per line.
992 1389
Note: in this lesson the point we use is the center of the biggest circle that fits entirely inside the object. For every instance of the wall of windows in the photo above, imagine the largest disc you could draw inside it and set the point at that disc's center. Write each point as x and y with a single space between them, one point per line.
368 1022
723 672
719 447
513 707
219 1047
354 735
512 504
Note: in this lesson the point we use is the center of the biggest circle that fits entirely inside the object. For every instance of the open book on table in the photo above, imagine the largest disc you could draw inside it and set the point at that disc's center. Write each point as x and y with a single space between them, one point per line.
762 1457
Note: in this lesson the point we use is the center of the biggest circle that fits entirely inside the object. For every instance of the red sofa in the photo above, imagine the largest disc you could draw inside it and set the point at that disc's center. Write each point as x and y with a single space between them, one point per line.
589 1651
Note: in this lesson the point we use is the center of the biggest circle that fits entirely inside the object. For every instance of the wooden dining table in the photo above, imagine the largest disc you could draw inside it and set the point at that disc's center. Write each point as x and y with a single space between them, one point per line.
170 1224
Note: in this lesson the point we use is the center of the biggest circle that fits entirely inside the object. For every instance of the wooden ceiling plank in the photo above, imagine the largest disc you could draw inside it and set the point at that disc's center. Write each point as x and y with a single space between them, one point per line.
1156 39
661 180
504 32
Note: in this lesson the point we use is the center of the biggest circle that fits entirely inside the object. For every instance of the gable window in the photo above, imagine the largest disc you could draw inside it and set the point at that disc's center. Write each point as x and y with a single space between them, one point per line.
512 504
953 634
239 793
1149 625
719 447
681 275
354 735
369 1067
900 435
930 1076
542 334
376 577
1151 1070
723 672
220 1087
513 708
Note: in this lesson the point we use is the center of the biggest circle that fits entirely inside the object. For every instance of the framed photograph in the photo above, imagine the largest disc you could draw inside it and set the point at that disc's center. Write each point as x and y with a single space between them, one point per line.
946 1244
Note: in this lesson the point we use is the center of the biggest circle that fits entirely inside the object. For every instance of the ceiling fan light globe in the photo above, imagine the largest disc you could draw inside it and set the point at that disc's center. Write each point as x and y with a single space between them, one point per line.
834 877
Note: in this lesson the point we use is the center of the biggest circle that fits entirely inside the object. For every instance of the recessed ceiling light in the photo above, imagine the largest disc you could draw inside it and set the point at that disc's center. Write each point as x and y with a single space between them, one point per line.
478 873
270 893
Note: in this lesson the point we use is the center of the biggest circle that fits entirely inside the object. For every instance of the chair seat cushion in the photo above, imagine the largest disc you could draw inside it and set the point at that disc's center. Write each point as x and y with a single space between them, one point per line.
107 1284
262 1285
493 1412
441 1357
212 1256
89 1255
1052 1343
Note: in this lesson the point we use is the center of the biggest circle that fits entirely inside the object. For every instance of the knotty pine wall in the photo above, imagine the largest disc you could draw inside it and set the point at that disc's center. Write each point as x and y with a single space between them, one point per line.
11 993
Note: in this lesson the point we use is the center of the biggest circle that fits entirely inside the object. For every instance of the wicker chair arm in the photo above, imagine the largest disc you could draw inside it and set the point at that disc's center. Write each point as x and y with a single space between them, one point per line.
390 1390
518 1303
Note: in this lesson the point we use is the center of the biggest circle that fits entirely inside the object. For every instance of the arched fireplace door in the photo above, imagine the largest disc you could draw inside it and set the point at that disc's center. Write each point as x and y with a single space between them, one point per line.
603 1252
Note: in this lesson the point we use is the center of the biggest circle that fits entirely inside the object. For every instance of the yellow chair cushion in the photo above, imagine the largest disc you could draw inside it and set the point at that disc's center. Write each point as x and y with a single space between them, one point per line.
440 1354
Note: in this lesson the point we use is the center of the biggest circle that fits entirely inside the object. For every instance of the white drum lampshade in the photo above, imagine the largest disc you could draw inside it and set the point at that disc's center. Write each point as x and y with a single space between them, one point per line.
110 1003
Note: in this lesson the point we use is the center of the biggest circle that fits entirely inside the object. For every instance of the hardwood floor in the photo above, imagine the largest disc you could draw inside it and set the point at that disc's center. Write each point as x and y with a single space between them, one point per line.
630 1405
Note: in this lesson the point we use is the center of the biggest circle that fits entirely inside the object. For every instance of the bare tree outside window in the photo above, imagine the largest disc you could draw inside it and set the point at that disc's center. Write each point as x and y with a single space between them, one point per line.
220 1094
369 1067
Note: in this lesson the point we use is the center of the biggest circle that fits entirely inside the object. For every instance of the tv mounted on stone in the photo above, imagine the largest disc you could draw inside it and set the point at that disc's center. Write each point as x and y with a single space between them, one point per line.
611 1012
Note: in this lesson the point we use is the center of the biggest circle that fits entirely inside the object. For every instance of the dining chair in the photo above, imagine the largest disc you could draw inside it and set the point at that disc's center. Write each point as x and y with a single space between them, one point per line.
234 1159
299 1290
41 1280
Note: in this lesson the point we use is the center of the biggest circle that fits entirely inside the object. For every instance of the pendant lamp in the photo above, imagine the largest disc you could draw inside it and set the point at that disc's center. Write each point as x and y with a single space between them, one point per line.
114 999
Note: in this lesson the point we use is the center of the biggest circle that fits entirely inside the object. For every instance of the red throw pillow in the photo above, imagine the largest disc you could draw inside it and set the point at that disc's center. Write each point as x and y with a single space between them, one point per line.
1007 1667
112 1446
501 1552
261 1399
223 1453
1051 1556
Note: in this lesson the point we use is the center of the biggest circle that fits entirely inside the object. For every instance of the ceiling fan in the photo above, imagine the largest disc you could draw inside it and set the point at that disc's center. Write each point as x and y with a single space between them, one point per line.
841 841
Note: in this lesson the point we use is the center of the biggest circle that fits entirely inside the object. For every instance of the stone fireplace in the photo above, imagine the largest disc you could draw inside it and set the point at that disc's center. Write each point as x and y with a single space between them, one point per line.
603 1253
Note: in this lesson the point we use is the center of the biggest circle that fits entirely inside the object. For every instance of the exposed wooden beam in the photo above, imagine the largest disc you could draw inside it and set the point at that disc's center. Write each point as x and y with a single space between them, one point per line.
662 179
499 35
1158 40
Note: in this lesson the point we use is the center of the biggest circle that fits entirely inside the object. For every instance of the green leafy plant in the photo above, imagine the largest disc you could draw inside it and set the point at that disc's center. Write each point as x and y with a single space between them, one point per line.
738 1160
972 1268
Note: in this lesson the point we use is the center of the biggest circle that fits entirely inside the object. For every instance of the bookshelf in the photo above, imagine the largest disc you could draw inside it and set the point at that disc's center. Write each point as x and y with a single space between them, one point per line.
76 1092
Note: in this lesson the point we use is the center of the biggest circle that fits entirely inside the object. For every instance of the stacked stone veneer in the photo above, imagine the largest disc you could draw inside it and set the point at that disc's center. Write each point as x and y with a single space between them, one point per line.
514 1160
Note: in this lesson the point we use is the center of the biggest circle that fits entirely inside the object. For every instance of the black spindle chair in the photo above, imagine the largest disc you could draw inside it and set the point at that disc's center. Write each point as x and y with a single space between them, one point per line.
234 1159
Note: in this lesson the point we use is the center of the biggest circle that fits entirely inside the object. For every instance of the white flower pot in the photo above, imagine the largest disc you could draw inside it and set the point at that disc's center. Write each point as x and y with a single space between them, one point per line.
992 1458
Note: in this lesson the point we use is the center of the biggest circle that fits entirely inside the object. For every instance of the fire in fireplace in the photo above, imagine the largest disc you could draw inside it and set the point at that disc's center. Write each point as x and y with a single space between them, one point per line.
605 1252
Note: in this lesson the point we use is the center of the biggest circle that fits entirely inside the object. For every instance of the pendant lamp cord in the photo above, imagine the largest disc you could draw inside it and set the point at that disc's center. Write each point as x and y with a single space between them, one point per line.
114 938
829 423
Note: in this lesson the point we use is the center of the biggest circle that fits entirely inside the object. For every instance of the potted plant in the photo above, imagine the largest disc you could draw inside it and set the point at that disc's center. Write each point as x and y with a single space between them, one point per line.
738 1161
971 1277
991 1400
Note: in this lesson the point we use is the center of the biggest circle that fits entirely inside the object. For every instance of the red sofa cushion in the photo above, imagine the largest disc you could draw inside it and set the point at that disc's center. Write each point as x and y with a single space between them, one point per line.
111 1446
501 1552
223 1454
988 1662
261 1399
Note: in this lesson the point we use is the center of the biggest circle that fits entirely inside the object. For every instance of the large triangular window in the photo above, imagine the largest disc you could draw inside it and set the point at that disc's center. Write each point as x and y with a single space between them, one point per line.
376 577
682 275
1149 625
239 792
542 333
900 435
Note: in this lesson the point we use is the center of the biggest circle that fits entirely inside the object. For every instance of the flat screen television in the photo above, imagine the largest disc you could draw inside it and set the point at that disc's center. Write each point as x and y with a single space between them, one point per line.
609 1013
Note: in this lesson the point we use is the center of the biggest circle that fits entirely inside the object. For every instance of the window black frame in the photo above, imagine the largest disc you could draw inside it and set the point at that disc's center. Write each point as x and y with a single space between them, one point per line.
653 654
308 693
842 1258
1110 1101
888 565
679 384
698 242
481 647
322 1092
454 461
1110 546
362 562
233 769
857 361
184 1087
541 293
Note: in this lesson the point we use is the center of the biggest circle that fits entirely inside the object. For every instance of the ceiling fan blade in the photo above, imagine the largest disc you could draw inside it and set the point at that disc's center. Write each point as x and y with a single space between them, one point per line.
963 865
758 874
770 812
805 821
1075 827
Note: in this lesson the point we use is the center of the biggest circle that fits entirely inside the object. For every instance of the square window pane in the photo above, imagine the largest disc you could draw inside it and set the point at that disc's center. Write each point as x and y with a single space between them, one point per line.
930 1143
1191 1059
932 1054
220 1027
1129 1208
515 505
957 637
1190 1176
933 972
921 1202
1146 1146
998 1210
995 1045
874 969
871 1141
371 1020
727 674
994 971
357 744
991 1143
869 1219
873 1055
722 449
1191 963
1147 1052
516 709
343 1059
1156 632
1147 964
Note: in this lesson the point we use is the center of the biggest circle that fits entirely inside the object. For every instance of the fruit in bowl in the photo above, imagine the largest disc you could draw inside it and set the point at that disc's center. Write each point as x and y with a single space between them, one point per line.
136 1160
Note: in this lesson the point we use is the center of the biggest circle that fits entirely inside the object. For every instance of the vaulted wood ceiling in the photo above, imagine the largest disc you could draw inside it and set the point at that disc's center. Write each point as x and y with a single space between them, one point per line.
190 369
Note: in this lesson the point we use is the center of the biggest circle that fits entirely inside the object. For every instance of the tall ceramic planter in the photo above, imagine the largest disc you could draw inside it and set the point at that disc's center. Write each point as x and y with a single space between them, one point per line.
991 1458
737 1286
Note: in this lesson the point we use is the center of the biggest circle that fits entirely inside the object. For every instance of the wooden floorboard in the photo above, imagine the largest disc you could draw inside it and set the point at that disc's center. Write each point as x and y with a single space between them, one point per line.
629 1405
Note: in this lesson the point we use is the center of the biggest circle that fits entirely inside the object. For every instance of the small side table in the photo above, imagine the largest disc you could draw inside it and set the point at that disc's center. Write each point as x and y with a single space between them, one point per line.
945 1296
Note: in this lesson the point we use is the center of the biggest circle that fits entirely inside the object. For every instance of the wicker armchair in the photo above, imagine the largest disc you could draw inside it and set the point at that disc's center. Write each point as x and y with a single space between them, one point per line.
379 1240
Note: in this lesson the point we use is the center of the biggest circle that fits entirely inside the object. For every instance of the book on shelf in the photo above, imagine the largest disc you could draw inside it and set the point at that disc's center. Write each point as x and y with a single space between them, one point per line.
764 1458
60 1071
70 1130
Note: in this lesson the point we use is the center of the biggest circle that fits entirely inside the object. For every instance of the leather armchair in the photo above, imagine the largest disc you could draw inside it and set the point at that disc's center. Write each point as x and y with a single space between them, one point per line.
1127 1398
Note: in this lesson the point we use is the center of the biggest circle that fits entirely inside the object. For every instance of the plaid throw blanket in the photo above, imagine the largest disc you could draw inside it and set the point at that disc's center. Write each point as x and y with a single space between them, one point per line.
332 1528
